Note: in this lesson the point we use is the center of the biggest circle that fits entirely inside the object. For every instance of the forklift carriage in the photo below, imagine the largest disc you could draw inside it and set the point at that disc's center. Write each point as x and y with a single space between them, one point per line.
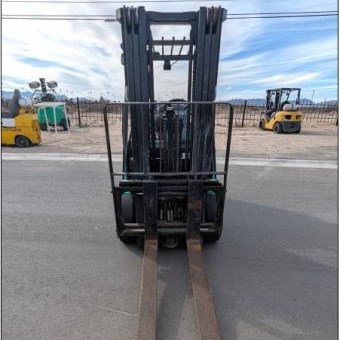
176 192
169 184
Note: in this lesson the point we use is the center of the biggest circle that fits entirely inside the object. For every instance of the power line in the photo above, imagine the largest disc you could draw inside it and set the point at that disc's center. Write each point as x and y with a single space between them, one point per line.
53 19
65 16
112 18
283 16
106 1
229 14
270 13
116 1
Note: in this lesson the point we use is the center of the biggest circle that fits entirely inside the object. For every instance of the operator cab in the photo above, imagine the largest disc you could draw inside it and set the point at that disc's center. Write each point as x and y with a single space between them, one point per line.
278 98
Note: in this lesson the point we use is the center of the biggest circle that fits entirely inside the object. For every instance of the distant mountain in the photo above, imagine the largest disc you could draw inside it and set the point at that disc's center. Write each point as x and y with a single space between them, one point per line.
28 95
256 102
236 101
81 99
8 94
250 102
262 102
305 101
61 97
331 102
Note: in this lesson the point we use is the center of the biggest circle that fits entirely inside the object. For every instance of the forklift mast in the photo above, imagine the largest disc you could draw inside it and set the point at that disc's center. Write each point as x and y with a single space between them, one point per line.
170 188
140 51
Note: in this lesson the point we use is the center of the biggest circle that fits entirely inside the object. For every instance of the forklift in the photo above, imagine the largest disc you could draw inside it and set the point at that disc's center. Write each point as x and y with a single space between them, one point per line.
282 112
169 188
19 125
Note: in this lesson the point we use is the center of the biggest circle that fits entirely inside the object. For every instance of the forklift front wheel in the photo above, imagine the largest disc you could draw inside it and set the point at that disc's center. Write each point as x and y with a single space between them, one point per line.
127 207
277 128
127 239
210 207
210 238
22 142
210 216
261 125
43 126
64 124
171 241
298 130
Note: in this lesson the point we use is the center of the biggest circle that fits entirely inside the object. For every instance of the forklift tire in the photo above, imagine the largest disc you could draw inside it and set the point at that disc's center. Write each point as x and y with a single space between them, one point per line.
127 207
210 238
64 124
127 215
22 142
128 239
210 207
43 126
210 216
277 127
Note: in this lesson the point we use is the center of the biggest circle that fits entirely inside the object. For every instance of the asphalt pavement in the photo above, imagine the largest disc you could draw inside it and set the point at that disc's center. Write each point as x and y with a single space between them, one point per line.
65 275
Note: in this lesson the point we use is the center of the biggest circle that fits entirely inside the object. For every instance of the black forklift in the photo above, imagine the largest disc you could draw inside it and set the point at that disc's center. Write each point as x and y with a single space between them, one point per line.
169 187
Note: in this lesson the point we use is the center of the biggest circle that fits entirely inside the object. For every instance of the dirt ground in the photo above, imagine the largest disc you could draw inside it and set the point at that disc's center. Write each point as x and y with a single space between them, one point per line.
314 142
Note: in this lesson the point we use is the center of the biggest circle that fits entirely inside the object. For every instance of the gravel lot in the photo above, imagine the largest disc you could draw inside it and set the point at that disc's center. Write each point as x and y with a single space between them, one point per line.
314 142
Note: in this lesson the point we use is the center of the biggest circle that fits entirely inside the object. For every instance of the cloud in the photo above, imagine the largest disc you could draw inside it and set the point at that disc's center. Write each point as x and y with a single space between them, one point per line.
84 56
287 79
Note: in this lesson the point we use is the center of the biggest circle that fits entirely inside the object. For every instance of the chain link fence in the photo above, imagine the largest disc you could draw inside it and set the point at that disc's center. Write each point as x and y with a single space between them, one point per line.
84 113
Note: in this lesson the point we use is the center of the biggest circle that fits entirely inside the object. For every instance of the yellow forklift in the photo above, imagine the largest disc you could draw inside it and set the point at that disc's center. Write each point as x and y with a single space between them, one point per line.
282 112
19 126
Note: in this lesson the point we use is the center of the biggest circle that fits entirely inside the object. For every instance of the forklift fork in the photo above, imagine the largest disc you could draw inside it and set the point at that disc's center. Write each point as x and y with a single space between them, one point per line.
203 300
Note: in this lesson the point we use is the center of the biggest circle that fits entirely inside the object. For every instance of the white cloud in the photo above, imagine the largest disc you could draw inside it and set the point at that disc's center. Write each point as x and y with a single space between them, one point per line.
286 79
85 55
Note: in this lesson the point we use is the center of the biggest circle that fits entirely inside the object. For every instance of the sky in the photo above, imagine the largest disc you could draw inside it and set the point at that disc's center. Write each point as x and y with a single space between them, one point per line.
256 54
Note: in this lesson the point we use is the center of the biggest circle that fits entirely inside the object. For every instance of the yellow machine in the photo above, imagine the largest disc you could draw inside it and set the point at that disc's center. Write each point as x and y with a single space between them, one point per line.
21 130
282 112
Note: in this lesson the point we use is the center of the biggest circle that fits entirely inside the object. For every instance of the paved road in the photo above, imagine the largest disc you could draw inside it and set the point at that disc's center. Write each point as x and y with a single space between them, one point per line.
117 158
65 275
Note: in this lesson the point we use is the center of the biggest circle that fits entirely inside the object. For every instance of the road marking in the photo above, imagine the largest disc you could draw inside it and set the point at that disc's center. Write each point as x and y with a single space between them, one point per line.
284 163
261 162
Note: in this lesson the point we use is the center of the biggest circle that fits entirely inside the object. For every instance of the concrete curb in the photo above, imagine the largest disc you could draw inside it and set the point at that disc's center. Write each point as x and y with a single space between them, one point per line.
261 162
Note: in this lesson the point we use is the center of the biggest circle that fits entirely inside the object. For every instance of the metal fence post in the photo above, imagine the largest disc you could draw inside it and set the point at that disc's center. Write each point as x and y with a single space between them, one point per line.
78 109
244 112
